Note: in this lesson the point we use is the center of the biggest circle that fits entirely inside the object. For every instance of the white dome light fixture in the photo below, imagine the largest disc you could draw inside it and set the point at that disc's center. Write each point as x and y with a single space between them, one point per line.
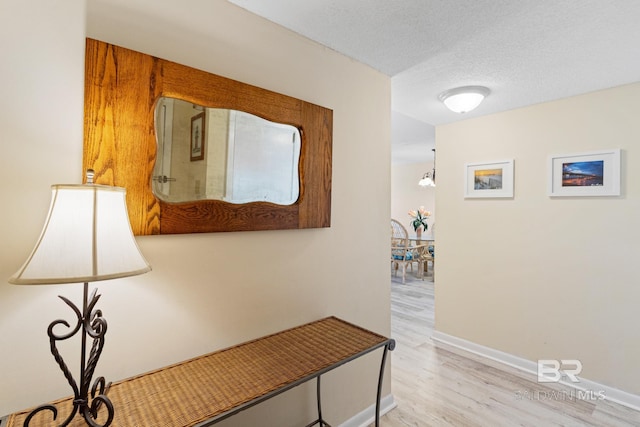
463 99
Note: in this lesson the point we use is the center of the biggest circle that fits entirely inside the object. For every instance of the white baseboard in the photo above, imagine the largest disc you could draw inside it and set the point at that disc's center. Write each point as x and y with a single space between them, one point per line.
528 368
366 417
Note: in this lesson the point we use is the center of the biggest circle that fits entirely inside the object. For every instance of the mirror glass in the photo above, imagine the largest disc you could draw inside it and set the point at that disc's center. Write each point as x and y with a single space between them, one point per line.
222 154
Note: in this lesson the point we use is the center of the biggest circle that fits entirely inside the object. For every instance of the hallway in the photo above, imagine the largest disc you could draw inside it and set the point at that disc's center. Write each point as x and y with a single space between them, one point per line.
434 387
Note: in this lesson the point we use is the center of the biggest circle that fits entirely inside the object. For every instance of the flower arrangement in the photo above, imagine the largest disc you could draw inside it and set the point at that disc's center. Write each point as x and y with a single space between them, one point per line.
419 218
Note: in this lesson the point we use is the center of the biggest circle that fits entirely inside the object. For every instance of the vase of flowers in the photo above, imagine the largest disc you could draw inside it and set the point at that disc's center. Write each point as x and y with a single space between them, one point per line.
419 221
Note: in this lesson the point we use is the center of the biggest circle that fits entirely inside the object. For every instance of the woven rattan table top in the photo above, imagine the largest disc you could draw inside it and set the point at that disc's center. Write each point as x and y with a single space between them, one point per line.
211 386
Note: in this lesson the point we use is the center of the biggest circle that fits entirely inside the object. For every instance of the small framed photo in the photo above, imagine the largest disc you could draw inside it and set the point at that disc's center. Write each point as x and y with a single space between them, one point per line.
197 137
488 180
595 173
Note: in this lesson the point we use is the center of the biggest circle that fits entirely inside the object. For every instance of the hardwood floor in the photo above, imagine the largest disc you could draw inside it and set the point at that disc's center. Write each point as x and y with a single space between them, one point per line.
434 387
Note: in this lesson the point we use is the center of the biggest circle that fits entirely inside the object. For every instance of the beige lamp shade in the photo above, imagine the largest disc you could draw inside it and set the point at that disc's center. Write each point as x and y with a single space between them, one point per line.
86 237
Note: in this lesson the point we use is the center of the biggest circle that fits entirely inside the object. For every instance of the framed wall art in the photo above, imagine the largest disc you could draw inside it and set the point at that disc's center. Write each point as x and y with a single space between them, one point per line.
595 173
489 180
197 137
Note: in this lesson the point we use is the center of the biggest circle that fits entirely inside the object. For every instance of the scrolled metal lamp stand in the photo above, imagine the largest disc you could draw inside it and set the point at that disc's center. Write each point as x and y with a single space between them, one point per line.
86 402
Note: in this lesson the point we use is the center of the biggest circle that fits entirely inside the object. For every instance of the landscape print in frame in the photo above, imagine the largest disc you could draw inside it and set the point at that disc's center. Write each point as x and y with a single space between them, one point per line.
489 179
595 173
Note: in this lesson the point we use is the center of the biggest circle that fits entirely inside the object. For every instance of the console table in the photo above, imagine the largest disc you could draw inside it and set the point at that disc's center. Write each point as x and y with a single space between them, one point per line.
207 389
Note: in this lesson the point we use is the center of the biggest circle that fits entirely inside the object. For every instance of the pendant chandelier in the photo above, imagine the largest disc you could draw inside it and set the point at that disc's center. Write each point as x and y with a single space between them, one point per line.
429 178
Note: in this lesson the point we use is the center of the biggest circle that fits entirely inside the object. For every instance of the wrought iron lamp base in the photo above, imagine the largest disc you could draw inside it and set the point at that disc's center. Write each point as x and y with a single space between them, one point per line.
88 400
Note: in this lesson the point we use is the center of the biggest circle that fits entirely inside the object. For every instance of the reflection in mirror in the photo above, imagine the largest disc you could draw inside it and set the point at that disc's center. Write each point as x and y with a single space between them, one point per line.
221 154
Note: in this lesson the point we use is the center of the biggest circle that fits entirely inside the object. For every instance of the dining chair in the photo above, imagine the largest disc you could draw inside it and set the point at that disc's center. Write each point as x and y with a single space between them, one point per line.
426 256
403 254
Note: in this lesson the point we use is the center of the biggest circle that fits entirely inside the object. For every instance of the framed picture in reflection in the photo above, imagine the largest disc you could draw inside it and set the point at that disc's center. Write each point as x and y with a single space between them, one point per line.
197 137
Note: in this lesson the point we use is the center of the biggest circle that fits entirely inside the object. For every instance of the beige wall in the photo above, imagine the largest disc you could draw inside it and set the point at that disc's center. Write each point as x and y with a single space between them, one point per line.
42 46
206 291
541 277
406 194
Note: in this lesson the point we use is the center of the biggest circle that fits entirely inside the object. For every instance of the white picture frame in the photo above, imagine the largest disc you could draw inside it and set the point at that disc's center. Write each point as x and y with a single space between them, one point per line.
489 179
588 174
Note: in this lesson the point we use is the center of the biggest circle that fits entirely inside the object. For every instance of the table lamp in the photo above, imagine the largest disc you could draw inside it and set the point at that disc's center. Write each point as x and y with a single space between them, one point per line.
86 237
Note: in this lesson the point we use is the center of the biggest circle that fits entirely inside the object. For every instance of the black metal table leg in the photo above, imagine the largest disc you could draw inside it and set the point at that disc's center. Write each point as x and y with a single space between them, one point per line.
318 397
320 421
389 347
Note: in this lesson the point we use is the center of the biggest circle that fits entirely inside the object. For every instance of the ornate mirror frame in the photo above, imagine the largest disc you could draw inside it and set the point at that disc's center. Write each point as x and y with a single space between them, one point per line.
121 90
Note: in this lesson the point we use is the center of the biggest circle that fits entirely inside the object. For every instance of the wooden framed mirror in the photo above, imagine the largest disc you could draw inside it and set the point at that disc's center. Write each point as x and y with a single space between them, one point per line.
122 89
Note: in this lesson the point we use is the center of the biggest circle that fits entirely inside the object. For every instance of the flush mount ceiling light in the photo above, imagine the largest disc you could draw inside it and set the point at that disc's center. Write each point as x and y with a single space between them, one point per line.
463 99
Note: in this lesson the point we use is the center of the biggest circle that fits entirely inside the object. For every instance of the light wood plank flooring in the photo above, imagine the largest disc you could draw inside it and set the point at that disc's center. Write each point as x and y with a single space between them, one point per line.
434 387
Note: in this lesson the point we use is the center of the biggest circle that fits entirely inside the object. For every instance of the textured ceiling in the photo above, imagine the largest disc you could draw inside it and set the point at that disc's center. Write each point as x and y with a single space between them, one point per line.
526 51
